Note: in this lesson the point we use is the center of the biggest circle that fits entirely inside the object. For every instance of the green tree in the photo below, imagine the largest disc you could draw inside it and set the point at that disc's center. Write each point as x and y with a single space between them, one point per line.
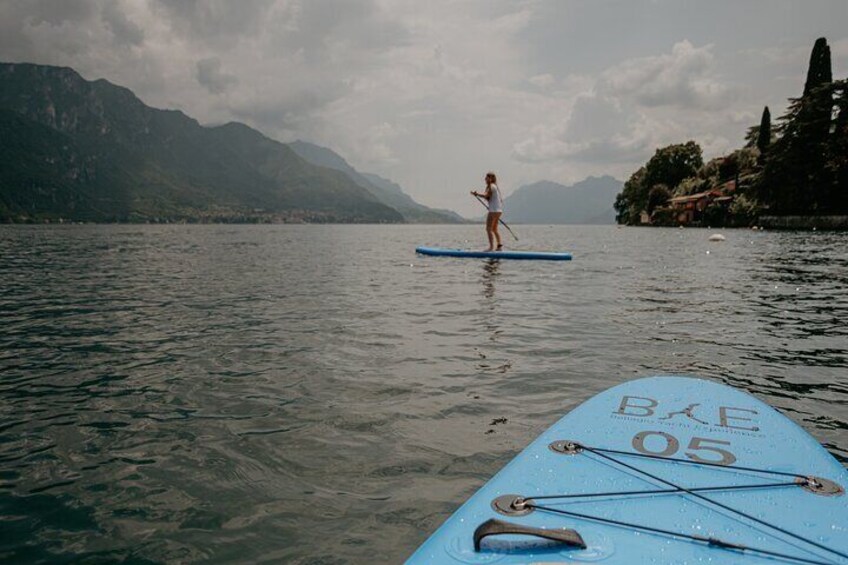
743 211
632 199
714 215
658 196
671 164
621 208
817 109
819 72
728 167
668 167
837 161
764 133
784 171
795 177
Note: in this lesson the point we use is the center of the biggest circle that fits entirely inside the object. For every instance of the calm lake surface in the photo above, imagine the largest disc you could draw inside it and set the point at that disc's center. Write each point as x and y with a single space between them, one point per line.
320 394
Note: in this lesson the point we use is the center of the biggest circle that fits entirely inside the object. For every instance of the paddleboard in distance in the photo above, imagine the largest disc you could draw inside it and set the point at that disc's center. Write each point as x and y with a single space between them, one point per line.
526 255
657 470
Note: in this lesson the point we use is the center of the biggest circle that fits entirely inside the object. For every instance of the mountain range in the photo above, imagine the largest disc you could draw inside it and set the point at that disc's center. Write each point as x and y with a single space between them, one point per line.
589 201
84 150
92 151
384 190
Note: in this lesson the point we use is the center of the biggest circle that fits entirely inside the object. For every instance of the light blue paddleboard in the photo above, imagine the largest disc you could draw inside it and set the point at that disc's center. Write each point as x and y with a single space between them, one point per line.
527 255
717 470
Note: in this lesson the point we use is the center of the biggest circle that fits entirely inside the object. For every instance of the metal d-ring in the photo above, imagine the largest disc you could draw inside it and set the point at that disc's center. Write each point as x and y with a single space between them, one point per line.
820 486
511 505
565 447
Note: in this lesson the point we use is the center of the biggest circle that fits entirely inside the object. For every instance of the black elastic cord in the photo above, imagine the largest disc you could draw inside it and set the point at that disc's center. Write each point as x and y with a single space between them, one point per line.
661 491
719 504
691 462
711 541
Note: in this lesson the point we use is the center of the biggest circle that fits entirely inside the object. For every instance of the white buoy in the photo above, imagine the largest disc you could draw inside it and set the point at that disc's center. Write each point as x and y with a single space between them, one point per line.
717 237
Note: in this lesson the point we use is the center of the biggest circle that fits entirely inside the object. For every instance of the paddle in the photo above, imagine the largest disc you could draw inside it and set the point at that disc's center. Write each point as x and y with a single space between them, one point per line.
503 223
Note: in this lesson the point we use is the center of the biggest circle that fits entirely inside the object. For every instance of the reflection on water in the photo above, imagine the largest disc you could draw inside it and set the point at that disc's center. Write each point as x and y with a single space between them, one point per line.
491 269
321 394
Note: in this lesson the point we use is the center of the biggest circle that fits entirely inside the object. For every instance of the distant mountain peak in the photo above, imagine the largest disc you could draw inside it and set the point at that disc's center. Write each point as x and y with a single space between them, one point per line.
589 201
385 190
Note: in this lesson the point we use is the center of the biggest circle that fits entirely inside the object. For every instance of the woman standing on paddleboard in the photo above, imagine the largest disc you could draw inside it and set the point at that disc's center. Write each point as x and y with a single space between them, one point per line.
495 206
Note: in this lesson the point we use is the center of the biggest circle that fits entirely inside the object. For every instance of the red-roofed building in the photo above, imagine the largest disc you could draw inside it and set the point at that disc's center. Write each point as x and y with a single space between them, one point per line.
689 209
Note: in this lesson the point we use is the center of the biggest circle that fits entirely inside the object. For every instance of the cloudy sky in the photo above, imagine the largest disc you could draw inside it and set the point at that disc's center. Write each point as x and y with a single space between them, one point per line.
434 93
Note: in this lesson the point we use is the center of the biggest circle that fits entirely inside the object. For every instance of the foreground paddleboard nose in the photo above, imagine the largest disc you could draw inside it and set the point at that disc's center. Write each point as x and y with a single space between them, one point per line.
658 470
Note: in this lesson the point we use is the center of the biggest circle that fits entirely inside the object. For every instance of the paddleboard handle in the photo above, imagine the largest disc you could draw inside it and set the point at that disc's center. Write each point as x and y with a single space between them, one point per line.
493 527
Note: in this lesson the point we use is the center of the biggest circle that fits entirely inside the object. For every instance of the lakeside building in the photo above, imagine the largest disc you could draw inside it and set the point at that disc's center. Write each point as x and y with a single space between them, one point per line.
689 209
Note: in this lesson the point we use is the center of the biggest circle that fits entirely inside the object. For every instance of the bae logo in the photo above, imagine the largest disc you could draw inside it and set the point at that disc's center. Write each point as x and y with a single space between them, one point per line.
728 417
686 412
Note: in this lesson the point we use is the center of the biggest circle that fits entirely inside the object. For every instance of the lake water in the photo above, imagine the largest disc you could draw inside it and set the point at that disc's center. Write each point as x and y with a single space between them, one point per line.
320 394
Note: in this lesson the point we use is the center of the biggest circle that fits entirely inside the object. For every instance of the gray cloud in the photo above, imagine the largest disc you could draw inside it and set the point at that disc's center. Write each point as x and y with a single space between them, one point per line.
55 31
432 94
56 13
285 112
685 78
219 23
124 30
210 76
633 107
597 117
18 18
312 28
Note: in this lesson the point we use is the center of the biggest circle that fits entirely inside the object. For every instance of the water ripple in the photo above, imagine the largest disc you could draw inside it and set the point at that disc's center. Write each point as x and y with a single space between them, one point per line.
320 394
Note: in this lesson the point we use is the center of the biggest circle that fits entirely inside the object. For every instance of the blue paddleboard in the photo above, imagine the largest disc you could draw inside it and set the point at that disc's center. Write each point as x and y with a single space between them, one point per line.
527 255
658 470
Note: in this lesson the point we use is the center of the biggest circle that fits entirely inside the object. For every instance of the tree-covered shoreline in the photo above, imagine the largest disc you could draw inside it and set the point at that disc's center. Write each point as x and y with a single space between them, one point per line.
797 168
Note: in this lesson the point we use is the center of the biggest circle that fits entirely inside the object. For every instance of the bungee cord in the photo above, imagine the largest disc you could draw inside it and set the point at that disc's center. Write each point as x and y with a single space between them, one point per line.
799 480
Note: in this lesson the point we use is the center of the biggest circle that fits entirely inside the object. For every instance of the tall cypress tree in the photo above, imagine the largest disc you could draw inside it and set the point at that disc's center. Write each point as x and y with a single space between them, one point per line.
819 71
796 178
838 159
816 119
764 135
